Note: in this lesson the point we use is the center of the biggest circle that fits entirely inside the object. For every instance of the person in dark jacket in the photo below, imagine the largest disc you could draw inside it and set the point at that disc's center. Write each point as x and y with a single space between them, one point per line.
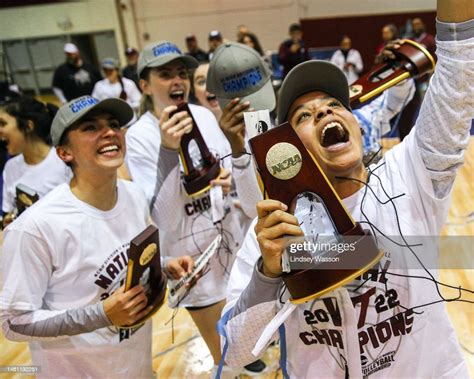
293 51
130 70
194 50
74 78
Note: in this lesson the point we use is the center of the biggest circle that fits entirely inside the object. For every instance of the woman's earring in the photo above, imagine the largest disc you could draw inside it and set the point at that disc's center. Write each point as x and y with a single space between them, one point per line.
362 131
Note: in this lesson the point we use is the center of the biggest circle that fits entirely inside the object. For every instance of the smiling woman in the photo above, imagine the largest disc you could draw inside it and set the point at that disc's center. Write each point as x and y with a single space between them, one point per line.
24 126
59 251
395 326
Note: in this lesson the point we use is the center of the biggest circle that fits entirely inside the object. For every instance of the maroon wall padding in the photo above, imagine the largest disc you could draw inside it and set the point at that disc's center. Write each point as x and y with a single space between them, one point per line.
365 31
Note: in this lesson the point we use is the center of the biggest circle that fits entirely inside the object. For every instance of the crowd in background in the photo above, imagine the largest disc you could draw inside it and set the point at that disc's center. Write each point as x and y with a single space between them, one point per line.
76 77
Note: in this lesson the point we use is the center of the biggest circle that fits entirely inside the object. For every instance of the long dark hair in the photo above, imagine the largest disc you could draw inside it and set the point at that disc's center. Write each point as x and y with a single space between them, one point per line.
26 109
255 41
123 95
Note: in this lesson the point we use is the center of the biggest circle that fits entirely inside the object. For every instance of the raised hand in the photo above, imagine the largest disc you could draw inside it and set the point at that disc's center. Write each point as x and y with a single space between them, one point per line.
173 128
273 224
233 125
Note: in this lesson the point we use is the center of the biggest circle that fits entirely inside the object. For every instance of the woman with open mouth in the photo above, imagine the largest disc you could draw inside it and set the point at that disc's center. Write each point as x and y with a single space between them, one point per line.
188 225
391 321
24 126
204 98
65 259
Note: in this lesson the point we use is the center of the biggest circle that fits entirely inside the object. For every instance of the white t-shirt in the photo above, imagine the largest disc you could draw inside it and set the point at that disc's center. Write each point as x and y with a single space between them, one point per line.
41 177
353 56
65 254
185 223
104 89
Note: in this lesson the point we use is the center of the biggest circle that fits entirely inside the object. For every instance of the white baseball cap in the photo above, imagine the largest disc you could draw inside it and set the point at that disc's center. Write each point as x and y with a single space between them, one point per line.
70 48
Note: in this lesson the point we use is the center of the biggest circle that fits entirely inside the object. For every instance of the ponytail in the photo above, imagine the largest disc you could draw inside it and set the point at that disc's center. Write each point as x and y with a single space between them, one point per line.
123 94
146 104
26 109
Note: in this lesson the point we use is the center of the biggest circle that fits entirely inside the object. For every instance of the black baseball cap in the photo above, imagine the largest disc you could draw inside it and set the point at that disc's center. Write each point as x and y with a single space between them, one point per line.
130 51
309 76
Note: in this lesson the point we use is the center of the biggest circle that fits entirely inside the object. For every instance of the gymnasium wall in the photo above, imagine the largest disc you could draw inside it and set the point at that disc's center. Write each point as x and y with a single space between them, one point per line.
145 21
72 17
269 19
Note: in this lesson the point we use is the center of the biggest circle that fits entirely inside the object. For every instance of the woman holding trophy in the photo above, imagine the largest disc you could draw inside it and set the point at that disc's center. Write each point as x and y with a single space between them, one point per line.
65 259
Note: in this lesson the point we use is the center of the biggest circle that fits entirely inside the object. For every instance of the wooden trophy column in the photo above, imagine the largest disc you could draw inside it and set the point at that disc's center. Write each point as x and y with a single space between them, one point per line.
196 179
144 267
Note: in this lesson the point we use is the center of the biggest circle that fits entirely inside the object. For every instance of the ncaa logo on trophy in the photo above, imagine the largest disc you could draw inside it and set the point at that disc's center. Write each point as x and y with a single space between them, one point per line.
283 161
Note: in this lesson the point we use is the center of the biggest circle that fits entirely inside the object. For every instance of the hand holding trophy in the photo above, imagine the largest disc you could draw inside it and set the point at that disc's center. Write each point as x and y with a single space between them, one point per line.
200 165
292 178
403 59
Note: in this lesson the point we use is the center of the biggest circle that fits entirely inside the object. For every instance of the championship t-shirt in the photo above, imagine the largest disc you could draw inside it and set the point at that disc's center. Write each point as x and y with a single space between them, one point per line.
65 254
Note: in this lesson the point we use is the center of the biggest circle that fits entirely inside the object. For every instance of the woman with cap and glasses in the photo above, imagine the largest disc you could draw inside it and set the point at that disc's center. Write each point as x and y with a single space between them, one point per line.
114 85
65 258
390 322
24 126
189 224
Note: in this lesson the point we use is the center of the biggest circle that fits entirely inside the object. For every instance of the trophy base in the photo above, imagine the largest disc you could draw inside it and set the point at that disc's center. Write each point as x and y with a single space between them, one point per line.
157 299
197 186
306 285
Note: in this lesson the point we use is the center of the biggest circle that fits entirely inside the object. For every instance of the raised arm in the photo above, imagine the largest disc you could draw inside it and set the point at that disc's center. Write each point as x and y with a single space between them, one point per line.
442 128
247 316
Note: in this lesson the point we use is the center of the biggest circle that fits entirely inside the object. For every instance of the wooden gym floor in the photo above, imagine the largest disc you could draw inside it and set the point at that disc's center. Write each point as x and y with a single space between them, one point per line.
189 358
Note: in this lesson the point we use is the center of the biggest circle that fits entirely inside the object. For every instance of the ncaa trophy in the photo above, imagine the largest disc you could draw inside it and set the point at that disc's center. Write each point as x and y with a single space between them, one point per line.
288 172
25 198
411 60
144 267
199 164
